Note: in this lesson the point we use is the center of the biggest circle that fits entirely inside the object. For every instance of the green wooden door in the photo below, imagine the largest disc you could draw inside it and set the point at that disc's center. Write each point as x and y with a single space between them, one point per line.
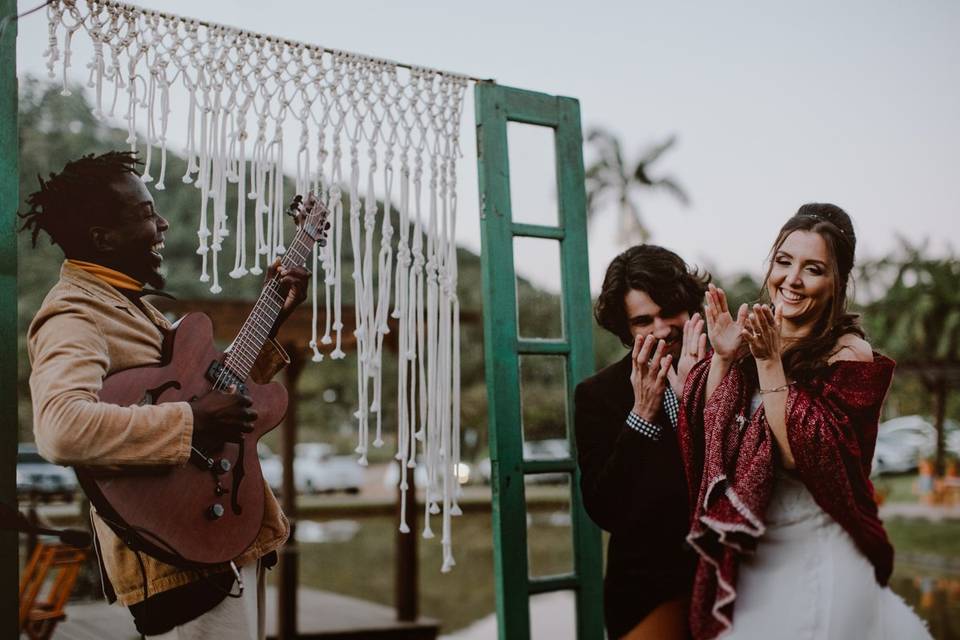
504 346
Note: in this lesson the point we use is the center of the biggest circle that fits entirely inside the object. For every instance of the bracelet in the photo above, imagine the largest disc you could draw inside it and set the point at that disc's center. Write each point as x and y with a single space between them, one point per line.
783 387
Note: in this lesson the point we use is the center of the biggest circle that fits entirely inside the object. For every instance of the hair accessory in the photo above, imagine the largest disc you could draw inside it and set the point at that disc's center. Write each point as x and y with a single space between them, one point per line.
817 216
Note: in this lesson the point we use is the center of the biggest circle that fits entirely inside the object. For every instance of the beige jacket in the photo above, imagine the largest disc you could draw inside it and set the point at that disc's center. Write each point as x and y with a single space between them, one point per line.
84 331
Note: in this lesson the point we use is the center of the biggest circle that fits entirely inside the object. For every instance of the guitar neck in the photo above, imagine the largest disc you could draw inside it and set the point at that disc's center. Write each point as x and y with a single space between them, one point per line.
256 329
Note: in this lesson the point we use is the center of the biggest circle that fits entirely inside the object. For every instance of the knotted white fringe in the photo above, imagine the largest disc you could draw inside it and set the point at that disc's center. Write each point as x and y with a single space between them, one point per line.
240 87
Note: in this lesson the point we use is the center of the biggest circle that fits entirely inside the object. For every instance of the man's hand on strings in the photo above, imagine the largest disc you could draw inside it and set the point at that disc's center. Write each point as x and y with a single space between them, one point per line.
292 283
221 416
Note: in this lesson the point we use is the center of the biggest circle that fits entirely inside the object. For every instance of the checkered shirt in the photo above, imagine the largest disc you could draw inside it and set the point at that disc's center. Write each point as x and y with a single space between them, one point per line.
672 407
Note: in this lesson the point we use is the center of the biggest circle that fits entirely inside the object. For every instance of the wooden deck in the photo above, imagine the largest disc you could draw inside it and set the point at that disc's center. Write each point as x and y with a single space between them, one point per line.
320 614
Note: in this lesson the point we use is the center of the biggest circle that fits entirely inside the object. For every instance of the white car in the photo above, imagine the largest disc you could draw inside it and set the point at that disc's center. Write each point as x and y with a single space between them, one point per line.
951 436
315 469
901 443
391 477
271 466
550 449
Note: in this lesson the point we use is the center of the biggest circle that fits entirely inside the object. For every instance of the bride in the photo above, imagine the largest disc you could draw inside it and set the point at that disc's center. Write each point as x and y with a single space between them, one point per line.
778 428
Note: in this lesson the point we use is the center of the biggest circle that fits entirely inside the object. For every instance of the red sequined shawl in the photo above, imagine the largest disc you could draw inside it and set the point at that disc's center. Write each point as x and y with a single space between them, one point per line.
729 459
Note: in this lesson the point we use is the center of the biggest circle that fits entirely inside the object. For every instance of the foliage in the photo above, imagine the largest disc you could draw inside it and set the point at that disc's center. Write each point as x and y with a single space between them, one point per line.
917 317
740 288
611 181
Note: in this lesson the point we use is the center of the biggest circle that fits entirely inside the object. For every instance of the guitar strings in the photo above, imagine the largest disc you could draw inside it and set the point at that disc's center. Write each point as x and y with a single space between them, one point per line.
271 288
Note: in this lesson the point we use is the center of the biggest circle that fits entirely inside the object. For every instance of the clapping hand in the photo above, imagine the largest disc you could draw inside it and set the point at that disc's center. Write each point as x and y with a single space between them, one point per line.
648 376
726 334
693 350
761 331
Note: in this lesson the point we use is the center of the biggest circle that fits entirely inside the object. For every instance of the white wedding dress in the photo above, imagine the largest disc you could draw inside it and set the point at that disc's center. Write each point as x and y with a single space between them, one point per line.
807 580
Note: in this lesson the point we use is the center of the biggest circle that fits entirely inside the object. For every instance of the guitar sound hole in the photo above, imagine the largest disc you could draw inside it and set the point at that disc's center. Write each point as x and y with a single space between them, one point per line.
150 395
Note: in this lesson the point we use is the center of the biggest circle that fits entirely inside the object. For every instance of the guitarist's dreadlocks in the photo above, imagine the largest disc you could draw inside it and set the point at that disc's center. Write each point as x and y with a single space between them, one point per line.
69 202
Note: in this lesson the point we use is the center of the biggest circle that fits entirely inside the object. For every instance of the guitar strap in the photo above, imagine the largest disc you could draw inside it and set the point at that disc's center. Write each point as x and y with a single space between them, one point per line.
136 298
108 591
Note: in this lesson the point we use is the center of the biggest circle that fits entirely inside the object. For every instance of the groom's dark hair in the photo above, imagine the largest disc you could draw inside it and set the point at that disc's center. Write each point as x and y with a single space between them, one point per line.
659 272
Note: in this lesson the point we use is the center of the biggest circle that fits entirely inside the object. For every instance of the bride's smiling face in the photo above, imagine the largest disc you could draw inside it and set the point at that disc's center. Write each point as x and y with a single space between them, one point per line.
801 277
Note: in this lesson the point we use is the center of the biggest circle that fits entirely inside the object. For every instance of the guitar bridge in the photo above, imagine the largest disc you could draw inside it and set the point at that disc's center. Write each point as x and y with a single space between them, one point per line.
221 376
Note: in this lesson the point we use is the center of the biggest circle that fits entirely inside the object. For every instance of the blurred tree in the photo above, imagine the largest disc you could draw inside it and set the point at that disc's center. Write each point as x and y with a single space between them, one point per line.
741 288
913 314
610 180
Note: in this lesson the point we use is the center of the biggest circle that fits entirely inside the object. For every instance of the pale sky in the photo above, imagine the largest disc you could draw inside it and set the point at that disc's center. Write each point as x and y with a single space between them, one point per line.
774 104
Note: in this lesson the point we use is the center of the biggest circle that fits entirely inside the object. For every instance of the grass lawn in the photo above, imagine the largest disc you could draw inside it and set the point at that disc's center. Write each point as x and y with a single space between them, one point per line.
363 566
915 536
898 488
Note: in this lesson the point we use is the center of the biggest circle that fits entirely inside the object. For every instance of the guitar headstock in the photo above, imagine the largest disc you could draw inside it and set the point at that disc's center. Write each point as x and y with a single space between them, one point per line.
311 216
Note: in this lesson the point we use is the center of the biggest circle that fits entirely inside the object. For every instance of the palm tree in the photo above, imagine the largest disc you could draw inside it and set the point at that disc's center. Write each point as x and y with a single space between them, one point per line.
917 321
610 180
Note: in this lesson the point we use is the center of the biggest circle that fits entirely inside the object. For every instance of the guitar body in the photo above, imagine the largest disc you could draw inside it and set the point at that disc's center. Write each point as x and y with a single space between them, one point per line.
170 511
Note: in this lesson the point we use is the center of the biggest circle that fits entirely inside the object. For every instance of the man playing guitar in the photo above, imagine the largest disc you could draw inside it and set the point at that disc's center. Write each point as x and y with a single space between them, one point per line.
95 322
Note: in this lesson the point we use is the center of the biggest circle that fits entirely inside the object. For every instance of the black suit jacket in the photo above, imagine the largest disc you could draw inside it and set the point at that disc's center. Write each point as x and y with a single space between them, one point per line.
633 487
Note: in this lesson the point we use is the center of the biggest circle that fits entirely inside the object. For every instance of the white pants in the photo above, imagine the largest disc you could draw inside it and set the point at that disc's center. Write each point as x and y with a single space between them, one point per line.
242 618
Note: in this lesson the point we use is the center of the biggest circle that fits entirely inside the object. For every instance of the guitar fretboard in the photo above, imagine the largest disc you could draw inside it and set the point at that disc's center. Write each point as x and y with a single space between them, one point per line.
256 329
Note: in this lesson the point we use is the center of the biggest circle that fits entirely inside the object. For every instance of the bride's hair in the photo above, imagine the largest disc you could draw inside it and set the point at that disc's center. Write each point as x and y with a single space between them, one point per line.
833 224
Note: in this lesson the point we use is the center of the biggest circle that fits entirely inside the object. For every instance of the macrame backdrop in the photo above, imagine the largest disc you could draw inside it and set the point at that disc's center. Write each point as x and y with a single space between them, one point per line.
363 123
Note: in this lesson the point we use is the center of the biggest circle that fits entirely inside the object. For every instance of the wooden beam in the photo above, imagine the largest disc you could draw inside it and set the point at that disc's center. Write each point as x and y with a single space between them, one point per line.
932 373
289 553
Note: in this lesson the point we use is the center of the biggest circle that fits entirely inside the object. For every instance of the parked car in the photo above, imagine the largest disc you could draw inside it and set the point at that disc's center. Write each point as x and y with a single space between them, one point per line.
271 466
317 470
313 450
952 437
391 477
550 449
901 443
45 480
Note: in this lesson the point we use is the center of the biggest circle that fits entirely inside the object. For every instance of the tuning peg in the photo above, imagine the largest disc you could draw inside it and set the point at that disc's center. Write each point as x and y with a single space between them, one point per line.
294 207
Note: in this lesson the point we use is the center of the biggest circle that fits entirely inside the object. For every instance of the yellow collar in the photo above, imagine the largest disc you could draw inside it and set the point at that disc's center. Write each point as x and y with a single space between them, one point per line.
108 275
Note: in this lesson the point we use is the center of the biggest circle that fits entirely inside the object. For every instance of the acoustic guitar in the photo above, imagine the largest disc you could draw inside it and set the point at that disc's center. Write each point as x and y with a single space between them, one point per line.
209 510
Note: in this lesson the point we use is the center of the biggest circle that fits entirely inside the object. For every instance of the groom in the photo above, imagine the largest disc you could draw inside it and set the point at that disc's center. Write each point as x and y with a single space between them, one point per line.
632 476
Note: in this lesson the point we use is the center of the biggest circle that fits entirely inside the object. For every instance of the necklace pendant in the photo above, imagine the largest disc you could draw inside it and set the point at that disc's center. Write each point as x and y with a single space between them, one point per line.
742 421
